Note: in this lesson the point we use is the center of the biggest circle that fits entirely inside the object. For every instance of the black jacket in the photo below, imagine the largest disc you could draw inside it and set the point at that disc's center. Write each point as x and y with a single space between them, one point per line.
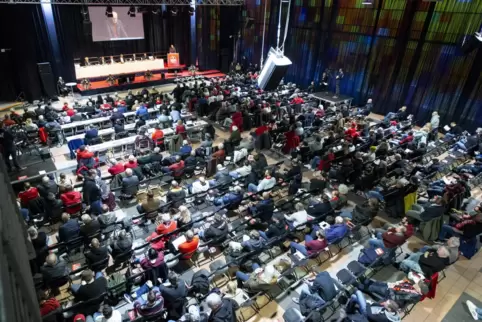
45 188
217 230
96 255
90 191
226 313
276 230
319 209
432 264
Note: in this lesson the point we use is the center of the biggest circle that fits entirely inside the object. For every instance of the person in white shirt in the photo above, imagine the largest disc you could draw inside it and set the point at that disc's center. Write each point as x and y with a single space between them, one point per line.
64 118
107 314
266 183
241 172
297 219
200 186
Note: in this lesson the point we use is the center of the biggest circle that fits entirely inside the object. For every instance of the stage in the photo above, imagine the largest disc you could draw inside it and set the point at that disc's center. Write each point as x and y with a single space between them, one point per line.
98 87
328 97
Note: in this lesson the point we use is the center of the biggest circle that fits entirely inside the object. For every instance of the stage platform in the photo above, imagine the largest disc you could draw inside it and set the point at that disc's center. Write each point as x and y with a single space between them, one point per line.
99 87
329 97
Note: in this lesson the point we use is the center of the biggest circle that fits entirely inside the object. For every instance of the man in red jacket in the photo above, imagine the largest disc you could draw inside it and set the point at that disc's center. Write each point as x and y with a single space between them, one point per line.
116 168
189 246
83 153
30 193
393 237
71 197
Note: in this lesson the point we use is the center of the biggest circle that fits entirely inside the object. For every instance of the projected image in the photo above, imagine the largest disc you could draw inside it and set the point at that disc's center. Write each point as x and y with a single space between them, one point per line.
115 23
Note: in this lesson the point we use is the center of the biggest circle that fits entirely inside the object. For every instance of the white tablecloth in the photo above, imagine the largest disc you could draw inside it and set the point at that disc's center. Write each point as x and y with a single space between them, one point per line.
117 68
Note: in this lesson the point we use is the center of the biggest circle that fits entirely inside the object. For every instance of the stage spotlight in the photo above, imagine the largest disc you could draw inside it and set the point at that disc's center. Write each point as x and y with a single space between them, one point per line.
108 11
367 2
191 10
174 11
156 11
132 11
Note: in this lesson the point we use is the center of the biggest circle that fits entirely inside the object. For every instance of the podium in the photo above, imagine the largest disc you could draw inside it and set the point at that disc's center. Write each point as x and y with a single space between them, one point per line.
173 60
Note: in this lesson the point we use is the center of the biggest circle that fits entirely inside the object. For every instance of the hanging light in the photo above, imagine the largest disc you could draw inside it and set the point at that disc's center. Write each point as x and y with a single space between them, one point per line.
191 10
367 2
174 11
132 11
108 11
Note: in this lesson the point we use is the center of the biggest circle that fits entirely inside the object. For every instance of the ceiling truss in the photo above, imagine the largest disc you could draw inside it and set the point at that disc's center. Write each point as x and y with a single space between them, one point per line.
130 2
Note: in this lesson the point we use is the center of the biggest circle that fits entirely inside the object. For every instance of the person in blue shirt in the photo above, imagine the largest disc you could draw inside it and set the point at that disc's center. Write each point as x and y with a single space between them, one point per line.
229 198
117 115
337 231
142 112
186 148
175 115
90 134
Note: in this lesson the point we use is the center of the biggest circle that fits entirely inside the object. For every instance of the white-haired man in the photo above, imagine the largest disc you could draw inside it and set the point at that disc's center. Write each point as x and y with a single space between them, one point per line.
428 263
222 309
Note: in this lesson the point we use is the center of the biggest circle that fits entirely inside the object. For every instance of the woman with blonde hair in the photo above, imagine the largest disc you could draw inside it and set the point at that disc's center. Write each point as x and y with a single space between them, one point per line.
183 217
30 126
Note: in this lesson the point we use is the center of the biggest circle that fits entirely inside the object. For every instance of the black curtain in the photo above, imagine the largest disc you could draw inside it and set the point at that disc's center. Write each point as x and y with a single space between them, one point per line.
25 37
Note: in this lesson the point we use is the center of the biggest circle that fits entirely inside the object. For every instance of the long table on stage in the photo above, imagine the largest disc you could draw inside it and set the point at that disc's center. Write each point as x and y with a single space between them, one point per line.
128 67
332 98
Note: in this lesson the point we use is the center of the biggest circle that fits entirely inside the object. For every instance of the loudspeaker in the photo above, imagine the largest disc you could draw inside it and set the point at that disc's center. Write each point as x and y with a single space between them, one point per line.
274 70
47 79
225 60
87 28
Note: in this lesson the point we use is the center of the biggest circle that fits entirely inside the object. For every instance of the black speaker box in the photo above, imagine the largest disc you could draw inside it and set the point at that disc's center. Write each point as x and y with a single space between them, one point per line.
470 43
273 71
47 79
87 28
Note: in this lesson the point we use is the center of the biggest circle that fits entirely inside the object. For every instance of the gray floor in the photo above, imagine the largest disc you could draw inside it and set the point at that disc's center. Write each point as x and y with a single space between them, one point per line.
459 311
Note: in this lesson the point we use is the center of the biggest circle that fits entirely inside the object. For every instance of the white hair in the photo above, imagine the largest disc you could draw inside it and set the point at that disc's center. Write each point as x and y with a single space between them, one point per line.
202 179
453 242
157 149
45 179
128 172
174 183
86 218
214 301
189 235
235 128
221 146
184 142
338 220
32 232
369 101
132 158
115 110
443 252
343 189
166 218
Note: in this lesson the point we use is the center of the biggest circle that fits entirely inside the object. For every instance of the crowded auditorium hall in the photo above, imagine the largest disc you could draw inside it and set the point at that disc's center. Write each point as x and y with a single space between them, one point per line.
164 185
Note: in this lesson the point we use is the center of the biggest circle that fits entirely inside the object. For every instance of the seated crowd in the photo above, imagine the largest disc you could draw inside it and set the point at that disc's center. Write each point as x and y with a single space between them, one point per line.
390 163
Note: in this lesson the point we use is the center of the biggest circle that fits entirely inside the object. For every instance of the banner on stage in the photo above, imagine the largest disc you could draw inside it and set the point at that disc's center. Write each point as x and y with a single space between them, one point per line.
172 60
